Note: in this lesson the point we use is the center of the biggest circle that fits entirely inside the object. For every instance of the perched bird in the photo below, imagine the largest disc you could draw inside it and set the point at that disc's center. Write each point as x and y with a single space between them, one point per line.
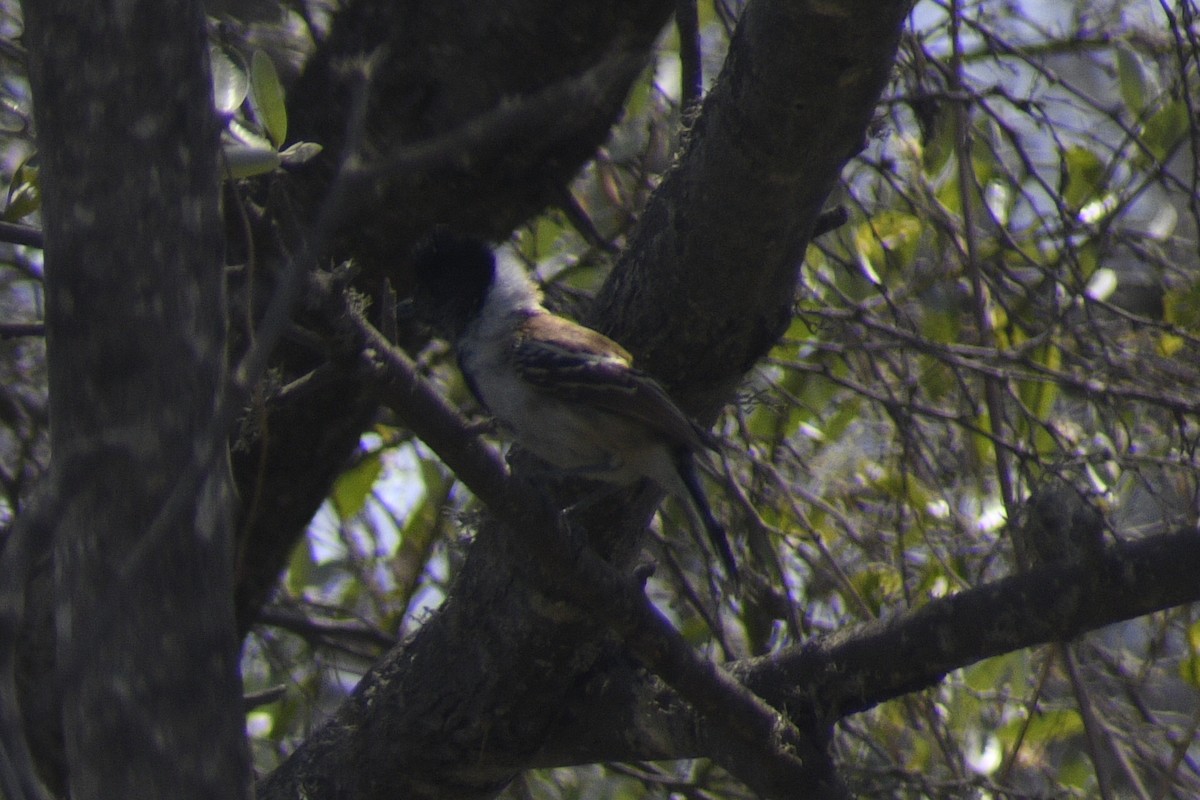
565 392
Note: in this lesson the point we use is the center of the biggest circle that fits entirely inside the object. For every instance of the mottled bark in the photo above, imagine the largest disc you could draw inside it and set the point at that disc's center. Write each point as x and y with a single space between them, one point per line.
466 704
146 655
633 715
722 240
434 67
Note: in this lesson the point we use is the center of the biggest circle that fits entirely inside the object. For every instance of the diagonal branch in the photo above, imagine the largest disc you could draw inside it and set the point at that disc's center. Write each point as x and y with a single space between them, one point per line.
854 670
859 669
489 134
805 78
425 83
26 235
761 747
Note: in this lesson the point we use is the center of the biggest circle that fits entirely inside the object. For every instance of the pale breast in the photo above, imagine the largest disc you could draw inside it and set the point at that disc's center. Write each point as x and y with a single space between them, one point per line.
584 439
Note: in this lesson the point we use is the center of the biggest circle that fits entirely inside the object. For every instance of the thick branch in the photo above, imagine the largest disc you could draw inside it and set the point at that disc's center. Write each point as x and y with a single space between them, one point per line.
758 744
723 237
859 669
434 67
856 669
429 74
454 719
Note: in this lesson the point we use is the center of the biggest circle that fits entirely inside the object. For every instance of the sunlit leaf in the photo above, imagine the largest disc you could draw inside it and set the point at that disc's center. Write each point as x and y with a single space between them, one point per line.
13 117
242 161
887 241
299 153
1162 224
1132 79
992 672
25 193
1085 173
353 487
300 568
939 141
639 93
229 79
267 94
985 163
1182 307
1077 772
997 195
1166 129
1189 669
877 584
1044 728
1101 285
1189 666
1169 344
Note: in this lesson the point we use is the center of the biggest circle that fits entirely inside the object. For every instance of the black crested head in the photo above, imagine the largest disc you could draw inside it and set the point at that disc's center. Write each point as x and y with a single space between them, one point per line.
453 273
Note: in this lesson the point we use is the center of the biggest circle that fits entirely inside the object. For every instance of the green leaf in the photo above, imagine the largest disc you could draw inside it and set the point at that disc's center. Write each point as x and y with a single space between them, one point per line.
13 118
1085 172
353 487
1040 395
1132 80
25 192
1054 726
937 379
229 80
888 241
1078 773
877 584
985 163
1003 670
1044 728
639 93
267 95
1182 307
940 140
299 153
244 161
1166 129
1189 666
1189 669
845 412
940 325
417 536
1169 344
300 568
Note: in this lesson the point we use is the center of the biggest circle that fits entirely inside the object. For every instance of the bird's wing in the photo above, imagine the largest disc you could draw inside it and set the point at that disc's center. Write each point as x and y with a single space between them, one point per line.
579 365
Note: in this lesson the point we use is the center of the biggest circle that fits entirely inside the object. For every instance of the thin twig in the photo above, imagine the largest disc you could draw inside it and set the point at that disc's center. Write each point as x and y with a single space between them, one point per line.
691 78
26 235
979 289
17 330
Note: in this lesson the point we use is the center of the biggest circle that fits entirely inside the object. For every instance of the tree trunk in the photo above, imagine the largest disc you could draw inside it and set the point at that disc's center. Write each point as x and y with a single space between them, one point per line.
140 501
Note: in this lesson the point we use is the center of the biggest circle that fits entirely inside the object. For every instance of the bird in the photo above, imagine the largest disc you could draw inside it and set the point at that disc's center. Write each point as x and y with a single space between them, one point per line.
566 393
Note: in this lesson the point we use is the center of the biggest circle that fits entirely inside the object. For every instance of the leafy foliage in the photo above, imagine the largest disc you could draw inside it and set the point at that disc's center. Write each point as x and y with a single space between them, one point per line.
1015 299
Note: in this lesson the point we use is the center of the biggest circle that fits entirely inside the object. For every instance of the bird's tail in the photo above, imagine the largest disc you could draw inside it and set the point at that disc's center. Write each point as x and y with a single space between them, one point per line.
702 512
